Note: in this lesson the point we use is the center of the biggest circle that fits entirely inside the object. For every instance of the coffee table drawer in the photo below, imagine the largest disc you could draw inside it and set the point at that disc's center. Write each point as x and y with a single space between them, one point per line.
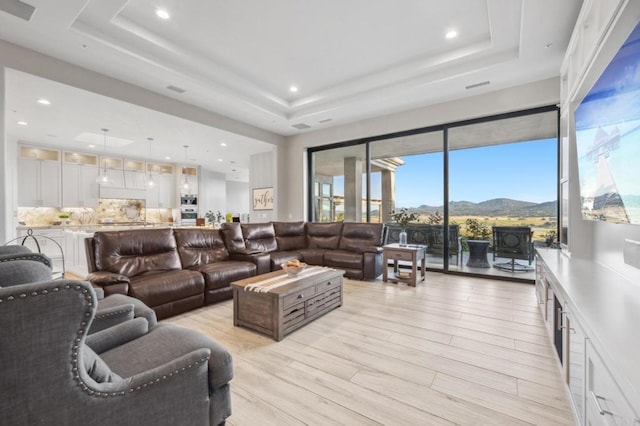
293 315
299 295
329 284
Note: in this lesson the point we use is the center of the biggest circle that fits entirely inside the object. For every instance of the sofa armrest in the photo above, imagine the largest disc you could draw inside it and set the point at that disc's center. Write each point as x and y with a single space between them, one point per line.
371 249
111 283
117 335
260 259
111 316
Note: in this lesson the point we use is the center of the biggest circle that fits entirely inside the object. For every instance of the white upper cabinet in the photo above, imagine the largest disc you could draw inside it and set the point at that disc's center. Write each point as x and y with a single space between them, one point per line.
39 177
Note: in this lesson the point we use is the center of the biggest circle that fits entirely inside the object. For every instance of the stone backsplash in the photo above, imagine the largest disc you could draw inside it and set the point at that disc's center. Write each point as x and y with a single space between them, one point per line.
108 210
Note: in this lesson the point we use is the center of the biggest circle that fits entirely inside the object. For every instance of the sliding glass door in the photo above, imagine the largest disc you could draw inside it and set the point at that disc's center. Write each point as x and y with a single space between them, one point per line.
503 191
410 172
463 180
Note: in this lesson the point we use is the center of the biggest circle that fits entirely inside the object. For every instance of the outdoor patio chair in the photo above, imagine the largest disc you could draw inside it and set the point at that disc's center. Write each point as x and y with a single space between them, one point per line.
513 242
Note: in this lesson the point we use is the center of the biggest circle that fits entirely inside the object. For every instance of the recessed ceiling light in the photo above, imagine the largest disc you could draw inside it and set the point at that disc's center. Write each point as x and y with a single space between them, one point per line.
22 123
43 101
92 146
167 158
162 14
220 159
223 144
451 34
293 89
548 45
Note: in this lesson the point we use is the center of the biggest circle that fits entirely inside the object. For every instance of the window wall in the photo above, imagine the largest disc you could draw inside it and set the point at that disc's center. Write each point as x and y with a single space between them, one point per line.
458 178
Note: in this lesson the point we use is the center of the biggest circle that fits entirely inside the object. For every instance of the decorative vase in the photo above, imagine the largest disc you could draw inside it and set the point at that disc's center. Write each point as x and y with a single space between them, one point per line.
403 238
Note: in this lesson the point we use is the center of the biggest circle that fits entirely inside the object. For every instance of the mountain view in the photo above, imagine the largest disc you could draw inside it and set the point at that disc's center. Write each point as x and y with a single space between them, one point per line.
496 207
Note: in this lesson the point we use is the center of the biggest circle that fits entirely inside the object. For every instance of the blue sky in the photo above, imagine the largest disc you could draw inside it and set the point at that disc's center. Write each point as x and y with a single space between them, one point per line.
523 171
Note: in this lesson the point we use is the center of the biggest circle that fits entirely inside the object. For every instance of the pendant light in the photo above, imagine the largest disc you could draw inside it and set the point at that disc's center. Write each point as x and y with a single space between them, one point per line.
185 184
150 182
104 179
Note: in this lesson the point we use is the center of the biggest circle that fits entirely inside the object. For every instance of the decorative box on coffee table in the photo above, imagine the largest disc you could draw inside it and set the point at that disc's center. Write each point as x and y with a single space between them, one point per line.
276 304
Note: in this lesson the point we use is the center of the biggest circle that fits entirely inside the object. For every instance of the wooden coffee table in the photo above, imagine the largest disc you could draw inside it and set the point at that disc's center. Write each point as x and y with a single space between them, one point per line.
276 305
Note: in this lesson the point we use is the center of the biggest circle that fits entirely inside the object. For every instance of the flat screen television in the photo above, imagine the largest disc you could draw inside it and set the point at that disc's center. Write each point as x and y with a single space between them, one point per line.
608 139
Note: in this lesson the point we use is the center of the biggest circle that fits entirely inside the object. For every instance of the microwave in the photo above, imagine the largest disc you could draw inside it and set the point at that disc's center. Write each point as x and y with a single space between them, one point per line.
188 200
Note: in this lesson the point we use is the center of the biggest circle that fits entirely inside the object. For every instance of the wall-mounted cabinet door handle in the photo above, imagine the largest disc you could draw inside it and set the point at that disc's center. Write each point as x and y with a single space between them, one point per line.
559 326
596 400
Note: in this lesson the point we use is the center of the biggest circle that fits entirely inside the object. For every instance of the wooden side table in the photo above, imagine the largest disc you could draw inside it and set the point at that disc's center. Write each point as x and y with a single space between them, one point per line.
413 253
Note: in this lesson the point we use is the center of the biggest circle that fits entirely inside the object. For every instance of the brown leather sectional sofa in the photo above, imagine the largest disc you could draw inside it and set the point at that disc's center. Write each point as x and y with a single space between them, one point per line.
176 270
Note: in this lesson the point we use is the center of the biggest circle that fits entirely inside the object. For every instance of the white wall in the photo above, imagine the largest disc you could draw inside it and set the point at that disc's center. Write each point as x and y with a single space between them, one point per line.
212 192
238 196
293 194
263 173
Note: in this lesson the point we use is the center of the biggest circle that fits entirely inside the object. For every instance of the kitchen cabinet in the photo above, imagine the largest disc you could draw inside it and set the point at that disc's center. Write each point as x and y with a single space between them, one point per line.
75 253
134 179
134 174
39 178
79 174
162 193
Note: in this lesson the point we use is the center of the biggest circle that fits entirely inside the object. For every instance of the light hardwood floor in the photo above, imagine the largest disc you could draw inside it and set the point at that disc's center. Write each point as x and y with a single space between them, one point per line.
453 350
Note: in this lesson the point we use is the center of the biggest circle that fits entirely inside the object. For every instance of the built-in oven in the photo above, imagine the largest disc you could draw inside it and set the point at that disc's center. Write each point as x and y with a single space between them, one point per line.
188 215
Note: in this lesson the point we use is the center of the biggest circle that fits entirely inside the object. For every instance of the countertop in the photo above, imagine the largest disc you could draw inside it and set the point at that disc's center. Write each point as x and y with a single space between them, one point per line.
99 226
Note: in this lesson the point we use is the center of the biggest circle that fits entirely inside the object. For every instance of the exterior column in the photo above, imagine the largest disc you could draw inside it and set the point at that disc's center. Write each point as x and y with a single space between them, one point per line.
388 194
352 189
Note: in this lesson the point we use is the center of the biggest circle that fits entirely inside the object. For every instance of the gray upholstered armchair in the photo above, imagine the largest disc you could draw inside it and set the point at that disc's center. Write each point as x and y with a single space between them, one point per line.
167 375
19 265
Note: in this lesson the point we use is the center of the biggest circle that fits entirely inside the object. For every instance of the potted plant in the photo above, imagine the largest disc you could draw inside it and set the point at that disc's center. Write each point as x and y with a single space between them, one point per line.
215 219
403 218
64 217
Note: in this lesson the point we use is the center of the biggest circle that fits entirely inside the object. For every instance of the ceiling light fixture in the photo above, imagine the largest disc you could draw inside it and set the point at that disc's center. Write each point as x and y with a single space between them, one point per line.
185 184
150 182
43 101
223 144
451 34
548 45
22 123
293 89
162 14
104 179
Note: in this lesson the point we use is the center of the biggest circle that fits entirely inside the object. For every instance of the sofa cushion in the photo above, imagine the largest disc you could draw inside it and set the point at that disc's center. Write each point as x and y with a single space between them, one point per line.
200 246
164 343
135 251
313 256
233 238
280 257
361 237
290 235
259 237
343 259
221 274
324 235
158 287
